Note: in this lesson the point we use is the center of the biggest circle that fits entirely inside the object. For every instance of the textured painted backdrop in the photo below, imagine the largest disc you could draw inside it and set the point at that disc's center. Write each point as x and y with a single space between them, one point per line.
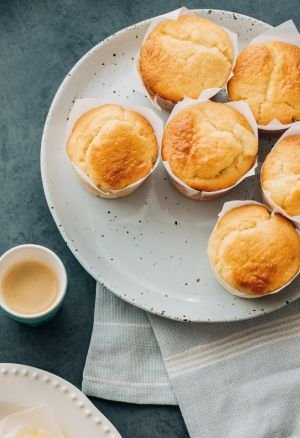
39 42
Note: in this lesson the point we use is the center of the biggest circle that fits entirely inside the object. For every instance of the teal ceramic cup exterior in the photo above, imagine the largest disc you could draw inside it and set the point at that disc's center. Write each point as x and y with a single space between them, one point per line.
34 253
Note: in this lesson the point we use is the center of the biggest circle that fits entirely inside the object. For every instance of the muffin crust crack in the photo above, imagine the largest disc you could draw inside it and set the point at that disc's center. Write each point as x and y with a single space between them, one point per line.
281 174
114 146
201 45
185 56
267 76
253 251
209 146
258 222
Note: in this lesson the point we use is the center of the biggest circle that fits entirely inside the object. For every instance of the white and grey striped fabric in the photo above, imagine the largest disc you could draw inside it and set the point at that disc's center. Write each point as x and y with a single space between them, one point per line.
230 380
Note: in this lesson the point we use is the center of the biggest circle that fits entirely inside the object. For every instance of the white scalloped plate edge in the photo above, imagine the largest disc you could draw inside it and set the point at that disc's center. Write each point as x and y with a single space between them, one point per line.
23 386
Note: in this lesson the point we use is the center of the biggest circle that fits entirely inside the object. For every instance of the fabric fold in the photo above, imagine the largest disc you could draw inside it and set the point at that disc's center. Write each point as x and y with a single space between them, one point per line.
230 380
124 361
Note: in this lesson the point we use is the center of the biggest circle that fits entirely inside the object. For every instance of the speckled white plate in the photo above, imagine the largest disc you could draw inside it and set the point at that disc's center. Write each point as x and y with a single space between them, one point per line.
148 248
23 387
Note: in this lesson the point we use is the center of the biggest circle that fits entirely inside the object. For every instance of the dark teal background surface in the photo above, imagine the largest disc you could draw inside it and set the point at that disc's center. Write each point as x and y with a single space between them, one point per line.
39 43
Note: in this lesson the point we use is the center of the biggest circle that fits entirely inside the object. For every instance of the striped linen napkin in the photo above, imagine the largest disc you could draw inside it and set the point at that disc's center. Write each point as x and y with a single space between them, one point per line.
231 380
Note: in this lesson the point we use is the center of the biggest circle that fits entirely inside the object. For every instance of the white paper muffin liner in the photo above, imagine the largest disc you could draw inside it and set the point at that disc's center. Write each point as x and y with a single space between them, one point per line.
228 206
286 32
38 418
157 101
243 108
266 195
82 106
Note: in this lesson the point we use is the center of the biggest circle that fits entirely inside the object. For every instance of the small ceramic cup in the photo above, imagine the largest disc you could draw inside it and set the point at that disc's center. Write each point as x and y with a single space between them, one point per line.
34 253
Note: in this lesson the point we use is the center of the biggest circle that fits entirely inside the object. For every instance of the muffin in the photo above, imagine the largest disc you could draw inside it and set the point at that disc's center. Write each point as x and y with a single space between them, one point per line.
254 252
267 76
113 147
280 175
183 57
209 146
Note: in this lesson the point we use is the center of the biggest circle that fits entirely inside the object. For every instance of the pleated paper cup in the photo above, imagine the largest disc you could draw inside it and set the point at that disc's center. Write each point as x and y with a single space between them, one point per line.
200 195
266 195
228 206
157 101
82 106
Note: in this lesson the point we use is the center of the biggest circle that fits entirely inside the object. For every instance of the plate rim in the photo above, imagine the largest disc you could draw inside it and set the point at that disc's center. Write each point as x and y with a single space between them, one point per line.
94 413
76 252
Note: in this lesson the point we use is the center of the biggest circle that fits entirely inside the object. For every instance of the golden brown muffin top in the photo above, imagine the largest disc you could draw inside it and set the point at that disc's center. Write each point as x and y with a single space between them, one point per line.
267 76
253 251
281 174
209 146
113 146
185 56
